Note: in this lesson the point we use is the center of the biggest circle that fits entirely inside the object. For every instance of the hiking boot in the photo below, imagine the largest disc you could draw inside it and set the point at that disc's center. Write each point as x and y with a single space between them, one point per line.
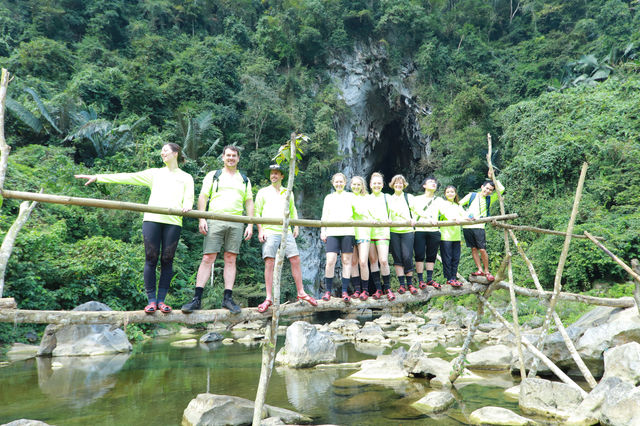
231 305
191 306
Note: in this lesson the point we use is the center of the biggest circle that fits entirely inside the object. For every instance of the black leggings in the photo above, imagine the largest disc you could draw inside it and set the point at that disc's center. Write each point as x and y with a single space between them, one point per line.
450 252
425 245
155 234
402 250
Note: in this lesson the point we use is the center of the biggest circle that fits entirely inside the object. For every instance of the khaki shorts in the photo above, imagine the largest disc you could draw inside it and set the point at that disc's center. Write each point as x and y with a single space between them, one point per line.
223 234
271 246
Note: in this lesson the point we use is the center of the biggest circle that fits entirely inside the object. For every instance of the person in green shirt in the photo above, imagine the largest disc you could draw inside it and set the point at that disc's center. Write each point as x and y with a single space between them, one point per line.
379 247
401 208
170 188
338 207
427 240
360 258
478 205
451 236
227 191
269 203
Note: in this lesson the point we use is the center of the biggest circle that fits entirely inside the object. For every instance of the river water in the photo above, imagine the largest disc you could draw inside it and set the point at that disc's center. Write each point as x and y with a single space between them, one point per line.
155 383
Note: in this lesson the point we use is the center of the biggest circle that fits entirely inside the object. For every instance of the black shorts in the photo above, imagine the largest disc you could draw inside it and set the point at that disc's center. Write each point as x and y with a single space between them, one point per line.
425 246
340 243
475 237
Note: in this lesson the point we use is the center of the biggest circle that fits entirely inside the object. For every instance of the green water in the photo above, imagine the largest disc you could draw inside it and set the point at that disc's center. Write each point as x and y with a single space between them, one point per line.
155 383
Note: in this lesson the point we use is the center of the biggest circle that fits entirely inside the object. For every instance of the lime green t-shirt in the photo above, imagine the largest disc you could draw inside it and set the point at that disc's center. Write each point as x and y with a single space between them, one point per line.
361 207
338 207
478 207
401 209
378 211
427 210
169 188
270 203
451 211
228 194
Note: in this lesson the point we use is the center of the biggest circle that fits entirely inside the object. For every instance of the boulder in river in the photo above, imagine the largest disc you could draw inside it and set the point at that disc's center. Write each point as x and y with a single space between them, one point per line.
26 422
210 409
549 399
75 340
496 357
434 402
498 416
305 347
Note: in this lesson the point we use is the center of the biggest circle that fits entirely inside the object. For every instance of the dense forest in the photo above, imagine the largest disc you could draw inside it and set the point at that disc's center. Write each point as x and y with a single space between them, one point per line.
101 85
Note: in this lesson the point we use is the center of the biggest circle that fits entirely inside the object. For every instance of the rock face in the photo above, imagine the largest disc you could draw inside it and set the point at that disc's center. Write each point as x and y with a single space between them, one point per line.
623 362
20 351
209 409
548 399
498 416
305 347
75 340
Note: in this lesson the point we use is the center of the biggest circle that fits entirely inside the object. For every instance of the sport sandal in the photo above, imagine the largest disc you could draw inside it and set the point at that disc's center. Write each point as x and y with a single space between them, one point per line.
264 305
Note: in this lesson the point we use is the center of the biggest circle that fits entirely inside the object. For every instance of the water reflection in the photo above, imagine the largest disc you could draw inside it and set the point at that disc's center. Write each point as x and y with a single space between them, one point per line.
79 381
306 387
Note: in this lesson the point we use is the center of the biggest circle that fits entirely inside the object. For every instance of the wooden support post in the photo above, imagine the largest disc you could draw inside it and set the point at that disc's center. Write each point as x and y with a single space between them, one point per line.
269 347
540 230
557 284
538 354
512 294
556 318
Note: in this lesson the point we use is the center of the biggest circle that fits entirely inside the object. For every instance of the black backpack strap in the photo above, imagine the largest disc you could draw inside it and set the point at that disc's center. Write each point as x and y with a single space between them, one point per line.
406 200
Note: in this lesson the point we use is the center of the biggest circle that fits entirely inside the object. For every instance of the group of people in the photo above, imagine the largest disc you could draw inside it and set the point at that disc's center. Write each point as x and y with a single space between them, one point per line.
364 250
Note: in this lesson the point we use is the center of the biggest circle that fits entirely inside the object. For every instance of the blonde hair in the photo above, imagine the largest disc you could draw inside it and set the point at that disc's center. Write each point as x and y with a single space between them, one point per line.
376 175
397 178
339 174
363 191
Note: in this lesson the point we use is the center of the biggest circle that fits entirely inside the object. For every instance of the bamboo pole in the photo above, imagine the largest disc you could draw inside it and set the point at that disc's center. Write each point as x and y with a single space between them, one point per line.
630 271
123 205
512 294
540 230
557 284
269 348
556 318
539 355
457 366
10 238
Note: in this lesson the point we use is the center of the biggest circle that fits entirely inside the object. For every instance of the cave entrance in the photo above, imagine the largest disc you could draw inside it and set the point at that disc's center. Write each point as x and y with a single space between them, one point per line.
392 154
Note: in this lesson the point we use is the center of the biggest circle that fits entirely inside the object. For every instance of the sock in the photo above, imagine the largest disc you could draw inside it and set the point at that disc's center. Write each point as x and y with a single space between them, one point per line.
345 284
385 282
401 280
199 291
328 284
421 277
356 282
365 285
429 275
151 295
227 294
375 277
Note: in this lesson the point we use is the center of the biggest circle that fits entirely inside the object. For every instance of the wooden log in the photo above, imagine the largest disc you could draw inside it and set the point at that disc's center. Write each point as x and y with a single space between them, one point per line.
540 230
123 205
4 147
10 238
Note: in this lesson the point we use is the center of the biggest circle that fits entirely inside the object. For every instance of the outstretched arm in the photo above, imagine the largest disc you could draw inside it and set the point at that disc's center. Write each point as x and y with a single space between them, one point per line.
90 178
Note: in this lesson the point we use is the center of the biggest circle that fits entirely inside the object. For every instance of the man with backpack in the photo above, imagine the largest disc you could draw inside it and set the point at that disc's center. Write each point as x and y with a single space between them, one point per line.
228 191
478 205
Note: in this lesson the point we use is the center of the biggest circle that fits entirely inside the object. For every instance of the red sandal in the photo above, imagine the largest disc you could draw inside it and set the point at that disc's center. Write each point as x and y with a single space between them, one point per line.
264 305
150 308
164 308
310 300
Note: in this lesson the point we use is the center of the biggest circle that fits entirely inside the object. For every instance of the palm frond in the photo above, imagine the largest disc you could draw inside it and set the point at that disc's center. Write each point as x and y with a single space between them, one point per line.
43 109
24 115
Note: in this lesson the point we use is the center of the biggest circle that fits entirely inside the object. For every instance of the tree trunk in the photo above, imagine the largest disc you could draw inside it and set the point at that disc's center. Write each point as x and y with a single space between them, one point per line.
269 348
540 230
10 238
